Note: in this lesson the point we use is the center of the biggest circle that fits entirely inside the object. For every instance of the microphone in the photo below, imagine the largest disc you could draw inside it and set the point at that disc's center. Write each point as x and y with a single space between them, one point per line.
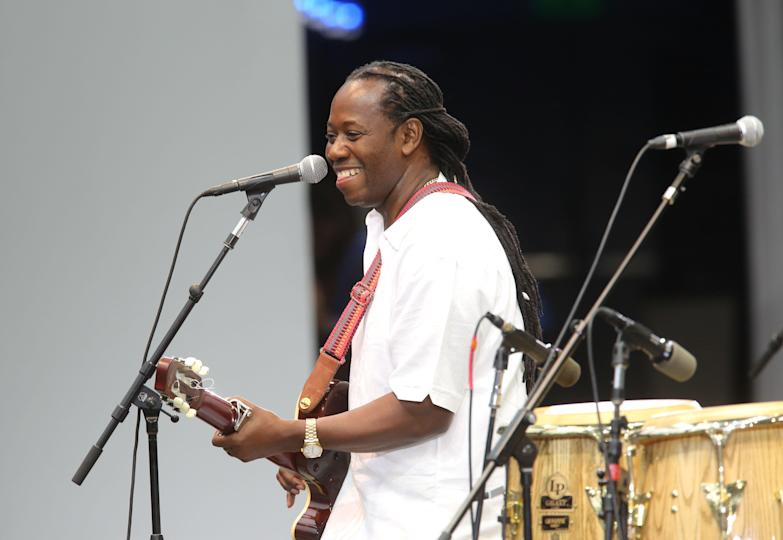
667 356
746 131
310 170
525 342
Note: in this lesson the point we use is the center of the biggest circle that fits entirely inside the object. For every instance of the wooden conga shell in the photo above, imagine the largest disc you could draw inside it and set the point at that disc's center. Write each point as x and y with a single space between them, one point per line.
568 456
679 452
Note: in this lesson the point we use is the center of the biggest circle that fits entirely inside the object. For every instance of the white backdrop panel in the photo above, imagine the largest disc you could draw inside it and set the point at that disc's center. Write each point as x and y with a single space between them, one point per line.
113 115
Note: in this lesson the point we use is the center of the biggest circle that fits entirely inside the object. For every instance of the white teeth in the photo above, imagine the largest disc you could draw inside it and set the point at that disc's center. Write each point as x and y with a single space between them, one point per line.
347 172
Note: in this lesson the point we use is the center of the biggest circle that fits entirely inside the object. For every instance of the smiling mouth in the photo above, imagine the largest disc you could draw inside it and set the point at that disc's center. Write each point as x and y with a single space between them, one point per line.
347 173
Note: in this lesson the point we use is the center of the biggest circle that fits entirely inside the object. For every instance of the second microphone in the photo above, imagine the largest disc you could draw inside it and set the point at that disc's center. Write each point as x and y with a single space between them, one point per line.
525 342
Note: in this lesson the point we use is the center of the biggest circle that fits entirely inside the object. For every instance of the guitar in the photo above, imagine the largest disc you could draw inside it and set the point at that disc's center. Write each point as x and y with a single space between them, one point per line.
180 383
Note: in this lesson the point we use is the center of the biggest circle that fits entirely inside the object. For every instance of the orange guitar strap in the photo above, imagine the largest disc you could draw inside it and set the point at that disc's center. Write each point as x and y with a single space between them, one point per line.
332 354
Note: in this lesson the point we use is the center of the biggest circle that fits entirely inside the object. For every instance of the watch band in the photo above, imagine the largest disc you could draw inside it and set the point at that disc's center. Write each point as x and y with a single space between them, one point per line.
311 448
311 433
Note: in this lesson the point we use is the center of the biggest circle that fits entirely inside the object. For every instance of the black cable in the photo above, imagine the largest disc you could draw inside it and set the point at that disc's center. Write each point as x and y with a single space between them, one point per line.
147 351
570 318
473 346
133 471
594 379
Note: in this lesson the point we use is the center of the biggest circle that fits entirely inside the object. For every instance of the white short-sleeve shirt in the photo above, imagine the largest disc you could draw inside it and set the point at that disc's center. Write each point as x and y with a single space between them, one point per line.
442 268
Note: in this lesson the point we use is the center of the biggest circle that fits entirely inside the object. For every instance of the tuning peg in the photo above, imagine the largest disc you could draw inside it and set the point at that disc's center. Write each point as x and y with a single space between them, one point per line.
189 361
191 413
185 407
177 402
197 364
203 371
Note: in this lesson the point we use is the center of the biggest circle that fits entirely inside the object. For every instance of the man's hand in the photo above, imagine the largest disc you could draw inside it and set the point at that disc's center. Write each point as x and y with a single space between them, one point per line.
262 434
292 483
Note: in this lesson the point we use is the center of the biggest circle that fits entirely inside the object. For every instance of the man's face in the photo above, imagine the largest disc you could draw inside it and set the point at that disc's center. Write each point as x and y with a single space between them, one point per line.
362 145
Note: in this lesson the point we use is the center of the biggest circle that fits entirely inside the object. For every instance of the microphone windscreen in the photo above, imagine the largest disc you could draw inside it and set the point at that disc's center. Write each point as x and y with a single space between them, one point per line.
752 130
312 169
569 373
680 366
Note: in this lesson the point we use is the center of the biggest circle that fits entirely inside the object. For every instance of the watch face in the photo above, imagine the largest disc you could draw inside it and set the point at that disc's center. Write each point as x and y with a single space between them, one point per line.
312 451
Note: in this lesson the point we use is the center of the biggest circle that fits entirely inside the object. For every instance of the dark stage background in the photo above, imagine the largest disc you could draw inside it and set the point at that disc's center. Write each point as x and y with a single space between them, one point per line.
558 96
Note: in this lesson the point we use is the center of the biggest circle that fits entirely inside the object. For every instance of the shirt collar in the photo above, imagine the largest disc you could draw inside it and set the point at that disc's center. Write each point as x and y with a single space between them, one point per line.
396 233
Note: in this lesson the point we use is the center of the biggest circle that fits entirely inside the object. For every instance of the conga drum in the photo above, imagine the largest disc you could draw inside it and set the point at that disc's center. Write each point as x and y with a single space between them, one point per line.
566 498
713 474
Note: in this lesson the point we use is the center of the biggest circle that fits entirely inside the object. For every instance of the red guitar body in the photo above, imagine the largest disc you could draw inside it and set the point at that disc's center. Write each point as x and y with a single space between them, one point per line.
324 475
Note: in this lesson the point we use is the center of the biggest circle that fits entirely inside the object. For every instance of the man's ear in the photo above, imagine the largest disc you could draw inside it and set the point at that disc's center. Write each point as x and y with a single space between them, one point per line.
411 133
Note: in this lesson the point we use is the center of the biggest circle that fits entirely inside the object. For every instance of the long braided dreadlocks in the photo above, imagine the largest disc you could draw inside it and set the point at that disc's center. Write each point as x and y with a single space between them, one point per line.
411 93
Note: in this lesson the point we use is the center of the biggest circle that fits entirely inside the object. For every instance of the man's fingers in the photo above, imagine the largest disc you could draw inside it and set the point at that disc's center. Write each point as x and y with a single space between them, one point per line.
289 500
219 440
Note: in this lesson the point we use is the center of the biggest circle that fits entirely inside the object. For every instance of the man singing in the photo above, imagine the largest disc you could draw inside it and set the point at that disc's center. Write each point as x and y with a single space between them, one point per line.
446 261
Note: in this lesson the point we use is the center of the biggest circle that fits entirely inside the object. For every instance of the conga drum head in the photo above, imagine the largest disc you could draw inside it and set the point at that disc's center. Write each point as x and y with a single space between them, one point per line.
584 414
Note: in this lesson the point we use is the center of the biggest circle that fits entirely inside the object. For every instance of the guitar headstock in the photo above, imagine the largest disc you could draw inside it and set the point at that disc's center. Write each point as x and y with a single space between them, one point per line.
179 380
180 383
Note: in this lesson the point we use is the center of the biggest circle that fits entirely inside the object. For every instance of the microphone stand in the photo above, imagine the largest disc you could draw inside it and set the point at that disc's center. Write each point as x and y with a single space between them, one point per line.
512 440
151 405
501 365
134 393
613 503
772 348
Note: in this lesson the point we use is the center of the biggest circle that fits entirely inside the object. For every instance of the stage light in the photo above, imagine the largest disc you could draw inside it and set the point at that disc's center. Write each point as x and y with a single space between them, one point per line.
337 19
349 17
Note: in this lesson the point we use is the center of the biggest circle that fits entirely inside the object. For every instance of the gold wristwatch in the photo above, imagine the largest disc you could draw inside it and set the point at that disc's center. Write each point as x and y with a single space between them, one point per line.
312 446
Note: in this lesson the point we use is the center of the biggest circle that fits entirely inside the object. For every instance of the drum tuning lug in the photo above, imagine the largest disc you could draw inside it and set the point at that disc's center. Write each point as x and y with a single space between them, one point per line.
674 509
724 499
779 495
637 508
675 493
595 496
513 512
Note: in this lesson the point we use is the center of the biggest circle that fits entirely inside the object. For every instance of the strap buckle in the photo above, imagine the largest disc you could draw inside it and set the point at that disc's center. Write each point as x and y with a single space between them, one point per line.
361 294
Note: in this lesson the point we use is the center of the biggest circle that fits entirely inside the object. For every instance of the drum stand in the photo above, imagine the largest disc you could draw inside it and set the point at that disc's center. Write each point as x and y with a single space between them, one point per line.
614 505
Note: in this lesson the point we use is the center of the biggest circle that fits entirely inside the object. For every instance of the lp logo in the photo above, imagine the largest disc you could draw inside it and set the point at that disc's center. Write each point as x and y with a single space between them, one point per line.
556 486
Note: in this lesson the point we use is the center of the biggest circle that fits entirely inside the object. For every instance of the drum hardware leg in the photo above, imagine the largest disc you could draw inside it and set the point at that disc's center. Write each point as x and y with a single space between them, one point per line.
637 510
512 513
637 502
595 496
724 499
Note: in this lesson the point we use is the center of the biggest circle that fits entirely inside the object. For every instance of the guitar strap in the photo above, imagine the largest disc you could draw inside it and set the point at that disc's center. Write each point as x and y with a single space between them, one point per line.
332 354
